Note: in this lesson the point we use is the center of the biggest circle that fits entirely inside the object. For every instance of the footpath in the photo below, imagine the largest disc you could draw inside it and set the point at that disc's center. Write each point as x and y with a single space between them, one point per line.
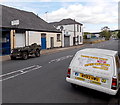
45 52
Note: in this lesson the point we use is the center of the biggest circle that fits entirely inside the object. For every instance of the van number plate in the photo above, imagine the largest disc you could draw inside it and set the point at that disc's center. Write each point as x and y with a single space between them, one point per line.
90 77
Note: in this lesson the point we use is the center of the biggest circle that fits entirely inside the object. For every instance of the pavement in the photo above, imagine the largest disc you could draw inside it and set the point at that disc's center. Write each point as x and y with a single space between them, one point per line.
44 52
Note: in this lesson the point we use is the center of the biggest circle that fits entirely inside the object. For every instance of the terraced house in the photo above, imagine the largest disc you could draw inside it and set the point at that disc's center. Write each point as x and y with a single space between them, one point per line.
21 28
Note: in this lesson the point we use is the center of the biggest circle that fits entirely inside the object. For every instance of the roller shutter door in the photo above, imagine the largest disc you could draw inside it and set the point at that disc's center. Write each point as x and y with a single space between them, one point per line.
20 39
66 41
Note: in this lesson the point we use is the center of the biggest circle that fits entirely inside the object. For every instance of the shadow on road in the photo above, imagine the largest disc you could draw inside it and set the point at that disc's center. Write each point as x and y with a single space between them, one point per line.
98 97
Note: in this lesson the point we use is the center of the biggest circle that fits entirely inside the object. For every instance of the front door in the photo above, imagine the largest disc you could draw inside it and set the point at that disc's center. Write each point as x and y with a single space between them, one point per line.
43 41
52 42
5 42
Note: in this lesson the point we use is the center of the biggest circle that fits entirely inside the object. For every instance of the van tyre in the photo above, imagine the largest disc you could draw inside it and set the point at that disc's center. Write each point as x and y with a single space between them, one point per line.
37 53
25 55
74 85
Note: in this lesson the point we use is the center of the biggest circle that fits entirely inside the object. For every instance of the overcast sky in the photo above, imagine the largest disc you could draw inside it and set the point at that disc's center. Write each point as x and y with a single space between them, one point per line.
94 14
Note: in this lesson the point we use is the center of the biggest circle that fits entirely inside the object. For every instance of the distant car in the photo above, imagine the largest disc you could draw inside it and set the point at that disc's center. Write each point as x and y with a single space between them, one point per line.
98 69
115 38
24 52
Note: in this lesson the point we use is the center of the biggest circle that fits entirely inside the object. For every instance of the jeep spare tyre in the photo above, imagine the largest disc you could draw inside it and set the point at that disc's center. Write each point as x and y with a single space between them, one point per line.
25 55
37 53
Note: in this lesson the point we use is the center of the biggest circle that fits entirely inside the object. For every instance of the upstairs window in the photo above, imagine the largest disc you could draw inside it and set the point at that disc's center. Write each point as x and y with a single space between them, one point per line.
80 28
77 28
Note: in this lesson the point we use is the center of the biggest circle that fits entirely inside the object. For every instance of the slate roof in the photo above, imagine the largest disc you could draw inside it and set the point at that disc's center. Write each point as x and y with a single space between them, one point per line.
68 21
28 20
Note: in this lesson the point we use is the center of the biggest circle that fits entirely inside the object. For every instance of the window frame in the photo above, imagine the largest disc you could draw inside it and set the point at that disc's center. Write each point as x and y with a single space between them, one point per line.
58 38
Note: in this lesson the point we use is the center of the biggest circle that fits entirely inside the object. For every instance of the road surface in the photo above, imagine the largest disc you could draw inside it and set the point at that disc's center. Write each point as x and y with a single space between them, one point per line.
42 80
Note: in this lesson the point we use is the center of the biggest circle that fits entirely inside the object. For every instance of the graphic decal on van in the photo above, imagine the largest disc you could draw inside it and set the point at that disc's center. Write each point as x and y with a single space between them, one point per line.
91 64
94 62
94 57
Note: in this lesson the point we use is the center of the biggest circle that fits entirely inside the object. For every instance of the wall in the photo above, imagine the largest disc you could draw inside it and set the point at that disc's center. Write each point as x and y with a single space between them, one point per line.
70 30
56 44
35 37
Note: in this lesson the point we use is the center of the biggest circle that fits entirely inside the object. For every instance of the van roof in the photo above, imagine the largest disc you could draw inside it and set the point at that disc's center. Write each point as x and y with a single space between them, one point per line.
100 51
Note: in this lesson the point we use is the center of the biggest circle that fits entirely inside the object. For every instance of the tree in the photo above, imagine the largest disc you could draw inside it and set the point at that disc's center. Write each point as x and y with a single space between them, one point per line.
85 35
118 35
105 32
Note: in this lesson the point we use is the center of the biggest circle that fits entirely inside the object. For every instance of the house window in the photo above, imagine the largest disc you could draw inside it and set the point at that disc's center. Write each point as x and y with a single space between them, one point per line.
80 39
58 37
77 28
80 28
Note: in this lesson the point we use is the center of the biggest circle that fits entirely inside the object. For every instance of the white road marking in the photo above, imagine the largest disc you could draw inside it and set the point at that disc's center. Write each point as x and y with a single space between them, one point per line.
19 72
60 59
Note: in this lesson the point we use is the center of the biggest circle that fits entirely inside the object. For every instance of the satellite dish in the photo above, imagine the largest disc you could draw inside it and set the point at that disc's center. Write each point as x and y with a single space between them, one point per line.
61 28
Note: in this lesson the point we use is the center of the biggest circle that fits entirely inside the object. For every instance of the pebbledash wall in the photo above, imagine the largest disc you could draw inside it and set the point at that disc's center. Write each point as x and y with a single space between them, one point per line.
36 37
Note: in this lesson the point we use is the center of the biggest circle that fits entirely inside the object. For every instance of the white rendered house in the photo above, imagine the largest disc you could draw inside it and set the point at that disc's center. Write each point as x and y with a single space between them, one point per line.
72 32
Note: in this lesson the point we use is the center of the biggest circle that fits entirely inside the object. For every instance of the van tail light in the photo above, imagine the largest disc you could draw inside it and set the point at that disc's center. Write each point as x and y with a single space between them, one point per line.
114 84
69 72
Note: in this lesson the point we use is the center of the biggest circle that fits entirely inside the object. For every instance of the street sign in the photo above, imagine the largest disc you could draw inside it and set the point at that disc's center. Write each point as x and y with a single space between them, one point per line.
15 22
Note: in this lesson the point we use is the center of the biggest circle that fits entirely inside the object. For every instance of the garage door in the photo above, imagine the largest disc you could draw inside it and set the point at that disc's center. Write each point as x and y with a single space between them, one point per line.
20 39
66 41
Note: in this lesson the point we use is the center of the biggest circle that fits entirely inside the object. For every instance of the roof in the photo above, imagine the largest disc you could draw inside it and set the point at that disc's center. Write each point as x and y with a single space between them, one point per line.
27 20
68 21
100 51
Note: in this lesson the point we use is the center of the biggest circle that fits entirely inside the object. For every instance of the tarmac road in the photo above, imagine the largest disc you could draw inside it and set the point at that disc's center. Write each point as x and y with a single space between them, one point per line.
42 80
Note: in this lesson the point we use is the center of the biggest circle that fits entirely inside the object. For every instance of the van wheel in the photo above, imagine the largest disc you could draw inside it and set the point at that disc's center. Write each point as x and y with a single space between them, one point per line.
37 53
74 85
25 55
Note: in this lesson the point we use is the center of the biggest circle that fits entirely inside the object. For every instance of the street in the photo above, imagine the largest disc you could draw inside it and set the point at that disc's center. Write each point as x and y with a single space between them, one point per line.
42 79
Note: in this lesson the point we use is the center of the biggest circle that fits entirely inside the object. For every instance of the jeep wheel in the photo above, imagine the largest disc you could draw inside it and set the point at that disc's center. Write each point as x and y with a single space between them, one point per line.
13 58
37 53
25 55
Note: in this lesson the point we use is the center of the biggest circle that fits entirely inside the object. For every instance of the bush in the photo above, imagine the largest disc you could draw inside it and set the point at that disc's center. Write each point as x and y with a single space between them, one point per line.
118 35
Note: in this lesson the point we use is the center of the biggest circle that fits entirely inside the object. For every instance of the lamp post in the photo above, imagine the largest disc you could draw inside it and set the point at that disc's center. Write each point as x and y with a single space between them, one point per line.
46 15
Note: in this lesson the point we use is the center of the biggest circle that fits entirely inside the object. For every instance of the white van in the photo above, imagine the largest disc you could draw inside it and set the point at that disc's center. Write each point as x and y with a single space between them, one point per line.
97 69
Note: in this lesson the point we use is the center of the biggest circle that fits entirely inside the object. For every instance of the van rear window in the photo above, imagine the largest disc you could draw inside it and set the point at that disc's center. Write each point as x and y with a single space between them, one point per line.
95 62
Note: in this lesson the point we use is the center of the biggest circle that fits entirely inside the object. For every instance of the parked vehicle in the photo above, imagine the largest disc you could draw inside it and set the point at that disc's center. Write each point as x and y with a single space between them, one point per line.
24 52
98 69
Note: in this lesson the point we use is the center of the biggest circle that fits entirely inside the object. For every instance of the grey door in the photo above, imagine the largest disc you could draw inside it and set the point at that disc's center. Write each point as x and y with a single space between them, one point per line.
52 42
66 41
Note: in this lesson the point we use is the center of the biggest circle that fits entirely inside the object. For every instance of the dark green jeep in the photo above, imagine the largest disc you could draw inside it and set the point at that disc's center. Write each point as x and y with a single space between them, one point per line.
24 52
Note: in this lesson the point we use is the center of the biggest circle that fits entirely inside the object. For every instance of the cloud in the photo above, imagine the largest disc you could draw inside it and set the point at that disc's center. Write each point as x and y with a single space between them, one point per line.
94 13
58 0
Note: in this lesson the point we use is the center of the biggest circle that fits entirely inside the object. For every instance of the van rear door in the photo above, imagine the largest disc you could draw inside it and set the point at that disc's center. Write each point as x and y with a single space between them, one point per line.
93 69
